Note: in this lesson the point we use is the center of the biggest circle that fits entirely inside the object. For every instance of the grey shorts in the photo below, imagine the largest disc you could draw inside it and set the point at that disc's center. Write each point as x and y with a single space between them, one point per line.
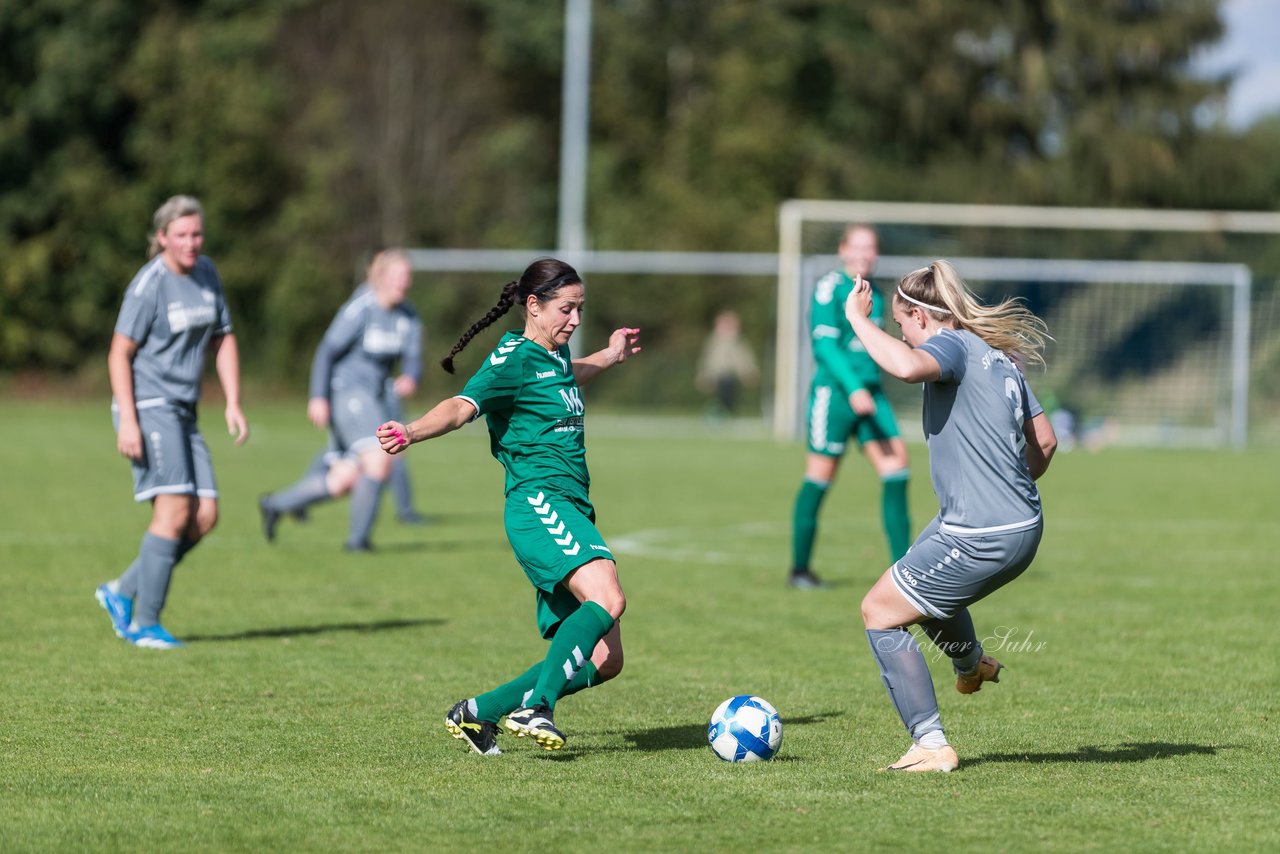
943 572
175 459
354 417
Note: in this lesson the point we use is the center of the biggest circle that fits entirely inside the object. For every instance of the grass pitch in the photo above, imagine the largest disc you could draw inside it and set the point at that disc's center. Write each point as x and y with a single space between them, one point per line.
1137 711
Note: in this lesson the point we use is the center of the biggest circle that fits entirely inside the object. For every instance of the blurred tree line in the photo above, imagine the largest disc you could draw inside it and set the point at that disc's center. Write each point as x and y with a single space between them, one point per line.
317 130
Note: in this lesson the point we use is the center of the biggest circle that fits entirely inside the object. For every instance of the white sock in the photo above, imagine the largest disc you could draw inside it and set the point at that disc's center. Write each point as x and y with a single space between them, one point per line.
933 739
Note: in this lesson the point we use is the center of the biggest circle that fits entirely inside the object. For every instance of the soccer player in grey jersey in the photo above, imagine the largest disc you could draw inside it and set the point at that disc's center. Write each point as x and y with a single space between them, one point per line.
350 378
989 440
172 314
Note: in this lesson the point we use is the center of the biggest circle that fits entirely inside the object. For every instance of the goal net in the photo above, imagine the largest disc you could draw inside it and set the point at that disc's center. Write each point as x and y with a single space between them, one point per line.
1149 348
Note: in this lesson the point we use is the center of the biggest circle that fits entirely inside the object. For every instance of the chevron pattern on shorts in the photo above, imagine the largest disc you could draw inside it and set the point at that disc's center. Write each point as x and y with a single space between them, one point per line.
555 525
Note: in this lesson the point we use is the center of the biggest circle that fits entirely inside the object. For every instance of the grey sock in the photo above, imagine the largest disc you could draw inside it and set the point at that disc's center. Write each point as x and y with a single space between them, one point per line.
319 464
956 638
400 488
156 560
364 509
127 584
307 491
906 675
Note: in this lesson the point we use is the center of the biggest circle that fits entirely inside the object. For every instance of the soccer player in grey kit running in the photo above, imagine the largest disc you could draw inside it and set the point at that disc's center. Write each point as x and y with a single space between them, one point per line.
371 333
173 312
989 440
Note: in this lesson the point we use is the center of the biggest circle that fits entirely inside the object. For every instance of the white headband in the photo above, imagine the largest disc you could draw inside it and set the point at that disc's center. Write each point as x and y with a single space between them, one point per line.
903 294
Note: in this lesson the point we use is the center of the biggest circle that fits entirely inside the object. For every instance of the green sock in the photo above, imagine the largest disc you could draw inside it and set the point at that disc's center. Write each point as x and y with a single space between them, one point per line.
581 681
506 698
570 651
893 508
492 705
804 522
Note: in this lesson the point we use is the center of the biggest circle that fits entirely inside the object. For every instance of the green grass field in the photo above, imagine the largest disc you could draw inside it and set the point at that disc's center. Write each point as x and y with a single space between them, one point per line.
1138 711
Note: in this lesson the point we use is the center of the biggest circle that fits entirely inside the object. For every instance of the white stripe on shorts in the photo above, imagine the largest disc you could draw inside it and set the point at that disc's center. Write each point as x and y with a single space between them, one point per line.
176 489
995 529
149 403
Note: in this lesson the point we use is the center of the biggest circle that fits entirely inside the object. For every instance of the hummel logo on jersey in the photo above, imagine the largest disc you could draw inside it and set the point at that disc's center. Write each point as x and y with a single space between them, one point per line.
542 375
554 524
500 355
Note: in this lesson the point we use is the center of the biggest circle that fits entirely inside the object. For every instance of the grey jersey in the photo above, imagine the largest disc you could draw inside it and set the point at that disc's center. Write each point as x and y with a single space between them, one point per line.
973 422
172 317
363 344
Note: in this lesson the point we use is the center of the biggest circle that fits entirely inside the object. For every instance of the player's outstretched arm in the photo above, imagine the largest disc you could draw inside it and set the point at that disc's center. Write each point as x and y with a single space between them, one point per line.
623 344
445 417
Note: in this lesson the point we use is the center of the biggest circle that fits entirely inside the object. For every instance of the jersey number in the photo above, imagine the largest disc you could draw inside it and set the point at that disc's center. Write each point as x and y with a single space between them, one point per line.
572 401
1014 393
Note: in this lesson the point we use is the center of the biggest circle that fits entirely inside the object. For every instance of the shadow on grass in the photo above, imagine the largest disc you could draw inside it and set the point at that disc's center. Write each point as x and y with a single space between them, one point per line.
383 549
694 736
298 631
1126 752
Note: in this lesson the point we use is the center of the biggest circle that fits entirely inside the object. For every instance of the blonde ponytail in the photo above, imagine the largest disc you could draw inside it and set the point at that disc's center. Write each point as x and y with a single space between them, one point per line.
1008 326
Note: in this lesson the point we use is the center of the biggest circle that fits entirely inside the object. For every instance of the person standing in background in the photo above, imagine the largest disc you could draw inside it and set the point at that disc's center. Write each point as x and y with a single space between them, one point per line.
846 400
726 364
174 312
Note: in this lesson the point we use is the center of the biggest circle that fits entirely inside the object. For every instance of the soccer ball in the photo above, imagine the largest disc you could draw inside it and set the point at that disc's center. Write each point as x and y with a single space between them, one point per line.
745 729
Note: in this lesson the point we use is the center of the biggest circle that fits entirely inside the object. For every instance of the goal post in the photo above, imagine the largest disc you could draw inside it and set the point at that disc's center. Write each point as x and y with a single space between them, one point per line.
1211 409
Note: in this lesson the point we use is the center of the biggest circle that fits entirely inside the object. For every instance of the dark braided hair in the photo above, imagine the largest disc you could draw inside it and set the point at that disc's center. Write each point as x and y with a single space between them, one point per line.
541 279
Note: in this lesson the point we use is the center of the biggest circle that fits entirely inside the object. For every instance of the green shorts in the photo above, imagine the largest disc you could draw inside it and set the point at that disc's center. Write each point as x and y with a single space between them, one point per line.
832 421
552 535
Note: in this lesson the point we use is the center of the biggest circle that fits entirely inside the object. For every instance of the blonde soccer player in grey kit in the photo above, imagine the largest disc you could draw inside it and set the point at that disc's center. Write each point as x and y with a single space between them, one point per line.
350 378
989 440
173 312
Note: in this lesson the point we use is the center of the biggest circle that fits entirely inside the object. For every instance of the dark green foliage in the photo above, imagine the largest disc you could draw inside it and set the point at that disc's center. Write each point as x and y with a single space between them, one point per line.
317 131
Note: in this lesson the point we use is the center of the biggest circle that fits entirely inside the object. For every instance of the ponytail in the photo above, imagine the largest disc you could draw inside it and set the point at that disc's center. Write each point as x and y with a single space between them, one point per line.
1008 326
541 280
505 300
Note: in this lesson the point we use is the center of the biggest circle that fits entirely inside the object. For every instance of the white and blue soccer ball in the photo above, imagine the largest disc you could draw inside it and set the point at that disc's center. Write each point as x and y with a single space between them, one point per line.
745 729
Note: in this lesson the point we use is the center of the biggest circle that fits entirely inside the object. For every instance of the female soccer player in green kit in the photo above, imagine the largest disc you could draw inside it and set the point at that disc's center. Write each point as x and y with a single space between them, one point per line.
527 389
846 401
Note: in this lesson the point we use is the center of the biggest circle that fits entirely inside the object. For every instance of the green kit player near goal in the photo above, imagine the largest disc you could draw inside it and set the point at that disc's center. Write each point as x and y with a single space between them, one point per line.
846 401
528 391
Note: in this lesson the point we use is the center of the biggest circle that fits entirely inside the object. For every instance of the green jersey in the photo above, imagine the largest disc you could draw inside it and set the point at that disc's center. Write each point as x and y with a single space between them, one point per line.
534 410
840 358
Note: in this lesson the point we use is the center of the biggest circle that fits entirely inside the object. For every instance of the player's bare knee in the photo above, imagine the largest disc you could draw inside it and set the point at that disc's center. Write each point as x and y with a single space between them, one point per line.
869 612
376 465
613 601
